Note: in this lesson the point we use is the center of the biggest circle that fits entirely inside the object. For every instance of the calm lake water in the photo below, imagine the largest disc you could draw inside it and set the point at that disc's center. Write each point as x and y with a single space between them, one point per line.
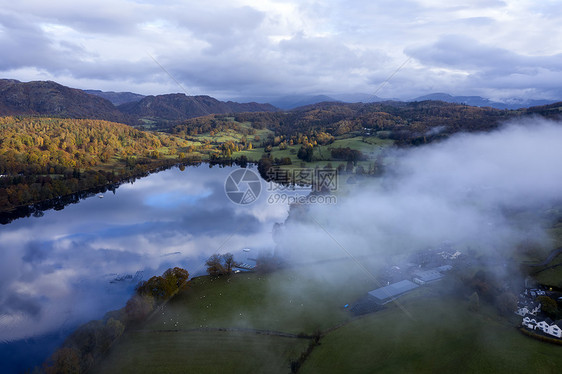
74 265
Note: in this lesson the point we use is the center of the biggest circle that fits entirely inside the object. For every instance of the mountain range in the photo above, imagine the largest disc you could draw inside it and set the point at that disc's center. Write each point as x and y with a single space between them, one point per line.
52 99
295 101
49 98
483 102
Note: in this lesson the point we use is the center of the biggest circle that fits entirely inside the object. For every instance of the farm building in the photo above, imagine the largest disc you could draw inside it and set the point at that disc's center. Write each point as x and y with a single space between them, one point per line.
427 276
388 293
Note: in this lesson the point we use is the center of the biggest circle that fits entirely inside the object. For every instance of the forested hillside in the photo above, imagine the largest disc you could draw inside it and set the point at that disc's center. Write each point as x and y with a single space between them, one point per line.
43 158
406 123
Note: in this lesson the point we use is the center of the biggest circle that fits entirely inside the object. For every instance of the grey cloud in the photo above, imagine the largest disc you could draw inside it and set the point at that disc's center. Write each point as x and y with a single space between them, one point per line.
489 70
226 49
478 21
25 44
456 51
220 22
296 64
16 303
97 17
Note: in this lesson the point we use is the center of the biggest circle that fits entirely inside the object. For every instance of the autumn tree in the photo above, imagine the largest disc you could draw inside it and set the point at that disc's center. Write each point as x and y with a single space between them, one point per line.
220 264
214 265
176 277
228 260
64 361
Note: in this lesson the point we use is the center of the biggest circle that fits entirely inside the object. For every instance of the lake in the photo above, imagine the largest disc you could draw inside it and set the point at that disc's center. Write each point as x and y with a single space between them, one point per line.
71 266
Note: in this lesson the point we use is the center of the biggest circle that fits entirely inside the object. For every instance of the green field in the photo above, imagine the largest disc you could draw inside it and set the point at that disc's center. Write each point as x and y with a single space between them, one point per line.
201 352
183 337
370 146
551 274
252 323
442 336
288 301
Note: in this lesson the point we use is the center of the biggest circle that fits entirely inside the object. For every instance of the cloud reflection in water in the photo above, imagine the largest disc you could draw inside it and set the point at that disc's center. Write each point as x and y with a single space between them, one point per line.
61 270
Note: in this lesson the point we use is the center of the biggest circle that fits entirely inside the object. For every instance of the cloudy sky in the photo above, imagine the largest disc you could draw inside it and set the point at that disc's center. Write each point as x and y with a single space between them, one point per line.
243 48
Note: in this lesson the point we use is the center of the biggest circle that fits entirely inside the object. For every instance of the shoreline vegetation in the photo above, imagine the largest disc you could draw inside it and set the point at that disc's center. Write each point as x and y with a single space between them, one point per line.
89 342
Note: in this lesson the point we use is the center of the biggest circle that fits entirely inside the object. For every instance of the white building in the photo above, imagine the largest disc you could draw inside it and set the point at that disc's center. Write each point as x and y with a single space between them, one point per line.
555 329
529 309
547 326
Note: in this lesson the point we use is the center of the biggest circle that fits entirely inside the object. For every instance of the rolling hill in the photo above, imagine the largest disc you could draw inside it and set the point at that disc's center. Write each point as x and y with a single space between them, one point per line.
178 107
52 99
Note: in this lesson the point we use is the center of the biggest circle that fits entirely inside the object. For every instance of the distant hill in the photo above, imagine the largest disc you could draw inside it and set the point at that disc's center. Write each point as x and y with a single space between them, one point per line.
295 101
53 99
359 98
482 102
550 111
117 98
178 107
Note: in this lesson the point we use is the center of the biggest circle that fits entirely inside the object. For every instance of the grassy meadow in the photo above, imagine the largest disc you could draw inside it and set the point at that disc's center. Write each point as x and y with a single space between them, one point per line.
442 336
255 323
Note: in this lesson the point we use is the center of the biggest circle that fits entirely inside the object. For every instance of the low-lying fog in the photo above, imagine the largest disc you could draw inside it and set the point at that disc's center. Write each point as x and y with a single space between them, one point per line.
463 191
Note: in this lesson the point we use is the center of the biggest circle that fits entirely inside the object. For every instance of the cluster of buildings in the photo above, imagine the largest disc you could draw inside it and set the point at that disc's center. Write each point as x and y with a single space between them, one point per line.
423 267
532 317
430 265
547 325
418 278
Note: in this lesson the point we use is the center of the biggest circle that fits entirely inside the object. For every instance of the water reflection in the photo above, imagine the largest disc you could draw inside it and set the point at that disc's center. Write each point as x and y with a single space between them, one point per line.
74 265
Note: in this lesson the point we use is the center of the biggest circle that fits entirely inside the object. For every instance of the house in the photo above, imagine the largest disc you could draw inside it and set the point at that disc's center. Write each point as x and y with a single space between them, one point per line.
534 292
555 329
547 326
388 293
529 309
542 325
523 311
529 322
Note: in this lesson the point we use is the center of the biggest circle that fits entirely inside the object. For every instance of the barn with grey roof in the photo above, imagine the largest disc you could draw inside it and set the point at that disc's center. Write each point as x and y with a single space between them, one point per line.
388 293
